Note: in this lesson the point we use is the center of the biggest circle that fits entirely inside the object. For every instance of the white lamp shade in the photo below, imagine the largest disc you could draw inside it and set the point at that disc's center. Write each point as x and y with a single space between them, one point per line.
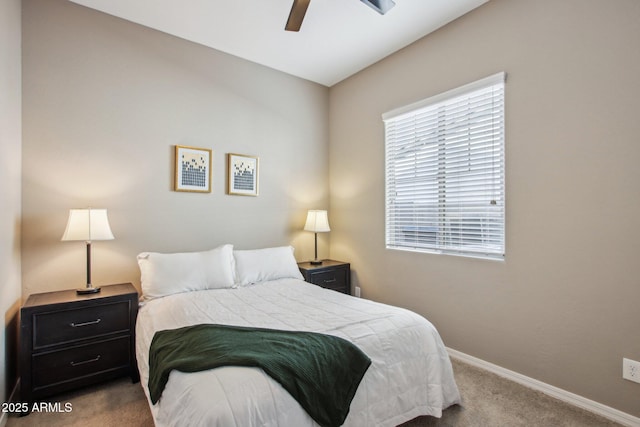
87 225
317 221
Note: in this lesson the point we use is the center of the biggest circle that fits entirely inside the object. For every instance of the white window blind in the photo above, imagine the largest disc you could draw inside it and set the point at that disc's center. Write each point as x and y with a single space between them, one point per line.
445 172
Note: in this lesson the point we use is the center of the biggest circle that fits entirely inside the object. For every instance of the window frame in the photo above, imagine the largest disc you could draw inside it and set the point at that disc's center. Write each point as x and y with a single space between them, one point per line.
472 240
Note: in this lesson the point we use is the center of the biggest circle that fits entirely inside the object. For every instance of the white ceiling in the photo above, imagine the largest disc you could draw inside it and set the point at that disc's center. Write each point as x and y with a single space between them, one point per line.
338 38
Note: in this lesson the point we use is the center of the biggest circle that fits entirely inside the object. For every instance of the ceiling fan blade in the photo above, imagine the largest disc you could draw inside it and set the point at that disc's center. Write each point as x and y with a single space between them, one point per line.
296 15
380 6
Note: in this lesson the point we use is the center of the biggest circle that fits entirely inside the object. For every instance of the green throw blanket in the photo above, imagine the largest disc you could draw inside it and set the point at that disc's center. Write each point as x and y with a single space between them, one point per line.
322 372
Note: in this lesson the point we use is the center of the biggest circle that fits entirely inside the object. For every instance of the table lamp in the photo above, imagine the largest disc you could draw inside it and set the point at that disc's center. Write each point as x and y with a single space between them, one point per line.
88 225
317 222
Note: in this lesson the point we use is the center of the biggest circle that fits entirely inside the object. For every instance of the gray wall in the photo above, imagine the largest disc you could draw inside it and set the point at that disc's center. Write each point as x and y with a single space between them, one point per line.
563 306
10 165
105 102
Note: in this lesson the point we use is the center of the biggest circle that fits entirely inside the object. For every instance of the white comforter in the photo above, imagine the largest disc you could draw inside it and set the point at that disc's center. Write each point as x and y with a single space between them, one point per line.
410 374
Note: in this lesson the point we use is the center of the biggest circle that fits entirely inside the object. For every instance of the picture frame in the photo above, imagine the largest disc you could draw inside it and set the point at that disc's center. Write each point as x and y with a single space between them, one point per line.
242 174
192 169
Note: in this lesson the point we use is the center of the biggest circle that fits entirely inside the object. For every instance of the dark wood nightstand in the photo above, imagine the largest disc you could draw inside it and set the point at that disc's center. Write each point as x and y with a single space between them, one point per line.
69 341
330 274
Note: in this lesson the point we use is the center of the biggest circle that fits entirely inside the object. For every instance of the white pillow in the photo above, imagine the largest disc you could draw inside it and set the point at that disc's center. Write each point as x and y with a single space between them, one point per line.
166 274
259 265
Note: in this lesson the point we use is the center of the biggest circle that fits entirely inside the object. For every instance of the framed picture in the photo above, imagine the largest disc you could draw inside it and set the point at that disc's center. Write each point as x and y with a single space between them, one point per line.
242 175
193 169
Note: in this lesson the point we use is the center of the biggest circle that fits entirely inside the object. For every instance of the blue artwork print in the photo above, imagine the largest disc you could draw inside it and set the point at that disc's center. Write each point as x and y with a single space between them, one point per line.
194 170
244 176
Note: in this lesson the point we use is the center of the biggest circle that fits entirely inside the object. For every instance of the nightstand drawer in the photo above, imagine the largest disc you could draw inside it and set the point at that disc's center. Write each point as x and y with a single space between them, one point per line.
328 278
76 362
66 326
335 279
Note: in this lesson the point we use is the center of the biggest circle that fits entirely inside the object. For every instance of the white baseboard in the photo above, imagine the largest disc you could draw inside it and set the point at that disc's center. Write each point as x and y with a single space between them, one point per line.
4 415
560 394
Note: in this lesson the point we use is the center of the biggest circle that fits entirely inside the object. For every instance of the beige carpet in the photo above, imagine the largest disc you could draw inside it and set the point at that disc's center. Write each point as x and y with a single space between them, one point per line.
488 401
492 401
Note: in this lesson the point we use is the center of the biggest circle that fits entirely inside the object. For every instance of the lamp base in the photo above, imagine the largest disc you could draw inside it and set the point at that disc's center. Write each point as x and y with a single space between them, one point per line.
88 290
316 262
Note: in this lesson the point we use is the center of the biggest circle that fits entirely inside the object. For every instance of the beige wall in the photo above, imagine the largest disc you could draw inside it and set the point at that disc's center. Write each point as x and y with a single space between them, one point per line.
10 143
106 100
563 306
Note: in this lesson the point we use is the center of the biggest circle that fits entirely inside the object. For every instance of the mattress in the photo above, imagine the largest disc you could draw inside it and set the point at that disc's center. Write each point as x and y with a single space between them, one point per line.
410 374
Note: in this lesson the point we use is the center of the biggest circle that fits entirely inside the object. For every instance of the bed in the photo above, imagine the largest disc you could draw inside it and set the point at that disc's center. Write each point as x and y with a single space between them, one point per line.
410 373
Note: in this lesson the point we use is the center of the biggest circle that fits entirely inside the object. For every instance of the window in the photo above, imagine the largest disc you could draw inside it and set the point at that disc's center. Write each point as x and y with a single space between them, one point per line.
445 172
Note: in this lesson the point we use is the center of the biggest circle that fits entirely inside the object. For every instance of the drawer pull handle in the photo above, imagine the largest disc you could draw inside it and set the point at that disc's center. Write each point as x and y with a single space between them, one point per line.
77 325
95 359
330 281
